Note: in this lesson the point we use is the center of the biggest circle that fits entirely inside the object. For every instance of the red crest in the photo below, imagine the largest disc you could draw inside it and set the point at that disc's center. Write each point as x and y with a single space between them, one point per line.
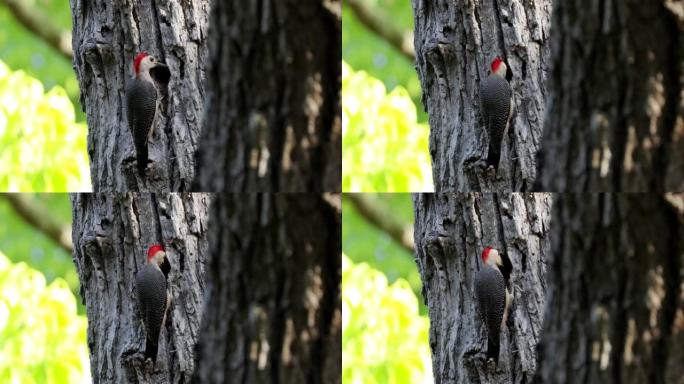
153 251
485 254
496 63
138 59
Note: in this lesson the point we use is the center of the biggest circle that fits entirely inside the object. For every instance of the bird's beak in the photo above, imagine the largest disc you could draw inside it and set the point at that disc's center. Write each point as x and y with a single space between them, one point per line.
160 73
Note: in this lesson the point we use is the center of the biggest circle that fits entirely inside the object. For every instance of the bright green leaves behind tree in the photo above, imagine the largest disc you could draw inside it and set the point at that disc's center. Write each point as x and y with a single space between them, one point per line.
20 241
384 149
363 49
22 49
41 147
42 339
364 242
384 339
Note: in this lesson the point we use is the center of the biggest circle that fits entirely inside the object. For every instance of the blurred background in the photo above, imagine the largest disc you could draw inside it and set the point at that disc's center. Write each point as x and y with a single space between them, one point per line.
384 126
384 318
42 127
42 320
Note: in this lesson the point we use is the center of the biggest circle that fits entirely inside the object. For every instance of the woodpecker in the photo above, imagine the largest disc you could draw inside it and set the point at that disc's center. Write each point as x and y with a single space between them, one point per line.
143 95
153 297
496 100
493 297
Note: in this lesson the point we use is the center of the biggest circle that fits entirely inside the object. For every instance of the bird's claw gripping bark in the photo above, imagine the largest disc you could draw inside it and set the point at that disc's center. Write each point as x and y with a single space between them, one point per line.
149 364
491 364
491 171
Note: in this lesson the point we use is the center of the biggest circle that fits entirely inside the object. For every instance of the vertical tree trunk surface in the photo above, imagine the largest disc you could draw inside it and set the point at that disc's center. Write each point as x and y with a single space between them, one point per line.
274 310
106 37
451 230
455 42
273 120
615 309
111 234
615 120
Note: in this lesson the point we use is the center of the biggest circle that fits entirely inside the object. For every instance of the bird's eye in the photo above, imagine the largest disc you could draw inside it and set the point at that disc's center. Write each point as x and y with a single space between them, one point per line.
151 58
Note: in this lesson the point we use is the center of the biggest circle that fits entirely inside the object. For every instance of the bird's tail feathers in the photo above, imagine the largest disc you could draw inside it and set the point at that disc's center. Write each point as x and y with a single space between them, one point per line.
151 350
493 156
141 154
493 347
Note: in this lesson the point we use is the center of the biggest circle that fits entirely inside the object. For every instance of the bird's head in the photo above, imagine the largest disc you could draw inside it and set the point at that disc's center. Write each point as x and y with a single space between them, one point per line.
156 254
143 62
491 257
150 68
499 67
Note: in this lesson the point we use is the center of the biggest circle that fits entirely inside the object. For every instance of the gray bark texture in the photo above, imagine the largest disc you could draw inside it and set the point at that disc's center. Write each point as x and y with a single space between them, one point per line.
273 120
274 309
455 41
615 310
111 234
451 230
616 105
106 37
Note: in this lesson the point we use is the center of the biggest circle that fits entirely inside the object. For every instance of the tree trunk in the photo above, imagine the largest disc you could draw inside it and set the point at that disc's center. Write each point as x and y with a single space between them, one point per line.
111 234
450 232
107 35
615 119
615 312
273 120
274 313
455 42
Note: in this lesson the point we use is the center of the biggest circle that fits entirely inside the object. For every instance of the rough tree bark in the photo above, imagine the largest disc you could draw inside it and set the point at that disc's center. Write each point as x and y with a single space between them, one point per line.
615 309
616 104
455 42
106 37
273 120
451 230
111 234
274 310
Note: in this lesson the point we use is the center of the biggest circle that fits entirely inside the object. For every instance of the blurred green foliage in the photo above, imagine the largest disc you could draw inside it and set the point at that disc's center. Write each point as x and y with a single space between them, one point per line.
21 242
43 149
364 50
21 49
384 339
384 149
363 242
42 339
